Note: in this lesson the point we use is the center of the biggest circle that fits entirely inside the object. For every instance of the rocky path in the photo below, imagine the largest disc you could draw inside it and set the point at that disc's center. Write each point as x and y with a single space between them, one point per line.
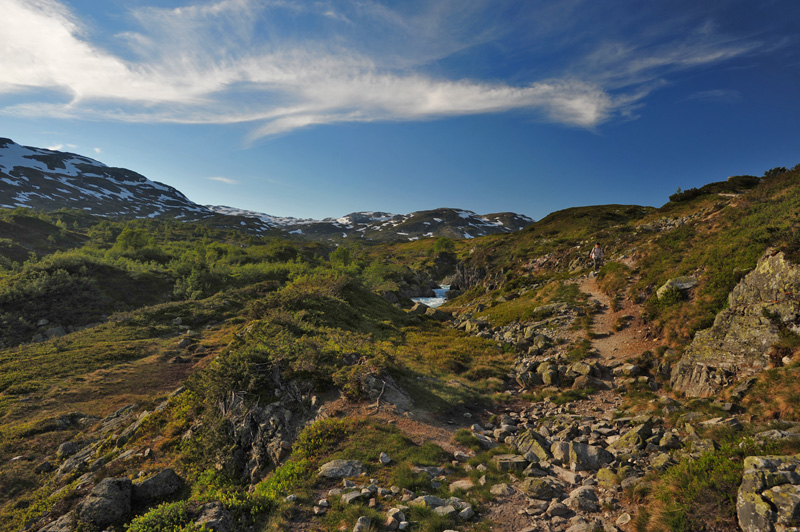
634 336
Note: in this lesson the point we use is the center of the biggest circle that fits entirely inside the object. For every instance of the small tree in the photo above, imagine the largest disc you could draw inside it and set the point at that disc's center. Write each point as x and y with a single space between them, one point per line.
444 245
772 172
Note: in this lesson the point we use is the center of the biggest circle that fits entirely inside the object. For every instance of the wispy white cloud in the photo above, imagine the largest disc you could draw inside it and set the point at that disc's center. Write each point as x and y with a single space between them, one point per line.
233 61
226 180
717 95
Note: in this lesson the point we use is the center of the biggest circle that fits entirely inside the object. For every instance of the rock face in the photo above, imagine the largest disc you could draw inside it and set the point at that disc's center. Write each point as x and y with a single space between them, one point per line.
735 347
769 496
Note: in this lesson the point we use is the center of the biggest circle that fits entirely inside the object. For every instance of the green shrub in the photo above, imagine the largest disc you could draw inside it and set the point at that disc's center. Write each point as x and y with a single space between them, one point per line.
168 517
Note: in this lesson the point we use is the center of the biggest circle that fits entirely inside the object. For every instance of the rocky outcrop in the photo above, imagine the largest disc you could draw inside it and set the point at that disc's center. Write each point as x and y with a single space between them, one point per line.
466 277
737 345
769 496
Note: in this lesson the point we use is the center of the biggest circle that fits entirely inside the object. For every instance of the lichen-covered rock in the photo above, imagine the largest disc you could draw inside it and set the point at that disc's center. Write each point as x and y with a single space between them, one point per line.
531 441
769 496
734 347
633 440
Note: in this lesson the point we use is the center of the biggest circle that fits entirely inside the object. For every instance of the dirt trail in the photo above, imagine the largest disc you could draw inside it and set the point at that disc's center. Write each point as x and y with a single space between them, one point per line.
632 340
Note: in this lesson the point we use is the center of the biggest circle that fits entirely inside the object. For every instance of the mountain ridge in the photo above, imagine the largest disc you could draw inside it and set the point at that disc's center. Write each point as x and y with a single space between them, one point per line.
47 179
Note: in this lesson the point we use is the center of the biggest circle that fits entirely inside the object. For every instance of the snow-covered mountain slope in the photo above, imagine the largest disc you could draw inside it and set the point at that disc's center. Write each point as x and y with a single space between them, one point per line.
50 180
382 226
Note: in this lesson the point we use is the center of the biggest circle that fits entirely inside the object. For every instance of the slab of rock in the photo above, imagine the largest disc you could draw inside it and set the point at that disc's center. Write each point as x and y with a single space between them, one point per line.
341 469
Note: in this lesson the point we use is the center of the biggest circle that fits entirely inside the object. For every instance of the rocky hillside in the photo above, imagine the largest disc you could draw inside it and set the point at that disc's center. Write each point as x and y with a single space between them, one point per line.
262 384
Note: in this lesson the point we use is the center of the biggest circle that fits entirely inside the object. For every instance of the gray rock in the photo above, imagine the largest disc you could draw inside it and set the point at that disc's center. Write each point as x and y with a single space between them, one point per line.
109 503
65 523
214 516
509 462
352 496
769 496
541 488
160 487
557 509
464 485
362 524
341 469
446 511
678 283
583 500
431 501
733 348
67 449
584 457
485 441
502 489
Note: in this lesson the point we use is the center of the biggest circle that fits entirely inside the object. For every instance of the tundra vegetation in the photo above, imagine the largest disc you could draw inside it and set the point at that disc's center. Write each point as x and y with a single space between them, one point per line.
97 314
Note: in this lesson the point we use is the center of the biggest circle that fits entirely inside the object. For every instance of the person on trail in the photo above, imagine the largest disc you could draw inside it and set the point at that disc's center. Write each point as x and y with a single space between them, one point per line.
597 256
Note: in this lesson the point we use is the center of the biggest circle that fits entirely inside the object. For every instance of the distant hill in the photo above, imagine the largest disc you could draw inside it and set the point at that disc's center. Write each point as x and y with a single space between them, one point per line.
50 180
382 226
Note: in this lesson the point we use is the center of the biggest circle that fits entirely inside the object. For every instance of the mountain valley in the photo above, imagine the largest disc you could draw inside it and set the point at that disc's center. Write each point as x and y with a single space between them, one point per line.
170 366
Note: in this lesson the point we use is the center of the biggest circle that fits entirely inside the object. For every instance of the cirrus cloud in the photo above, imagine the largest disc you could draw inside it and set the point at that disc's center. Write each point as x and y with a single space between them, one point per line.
233 61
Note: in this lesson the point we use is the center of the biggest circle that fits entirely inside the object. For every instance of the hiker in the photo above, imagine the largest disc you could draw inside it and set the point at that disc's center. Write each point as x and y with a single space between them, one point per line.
597 256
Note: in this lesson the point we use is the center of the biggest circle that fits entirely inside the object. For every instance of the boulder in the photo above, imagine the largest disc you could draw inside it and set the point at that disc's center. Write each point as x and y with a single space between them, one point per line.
362 524
678 283
464 485
68 449
541 488
418 309
509 462
438 315
633 440
584 457
160 487
583 500
341 469
109 502
214 516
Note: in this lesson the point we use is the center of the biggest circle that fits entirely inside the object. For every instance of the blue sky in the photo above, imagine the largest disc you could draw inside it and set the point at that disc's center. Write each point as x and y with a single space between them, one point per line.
321 108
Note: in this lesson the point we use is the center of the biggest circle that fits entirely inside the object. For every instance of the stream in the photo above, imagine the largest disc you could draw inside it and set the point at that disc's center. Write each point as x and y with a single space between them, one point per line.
433 302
